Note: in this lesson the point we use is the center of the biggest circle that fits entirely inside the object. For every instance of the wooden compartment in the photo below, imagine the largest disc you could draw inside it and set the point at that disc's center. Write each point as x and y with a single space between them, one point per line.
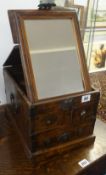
84 114
52 138
37 125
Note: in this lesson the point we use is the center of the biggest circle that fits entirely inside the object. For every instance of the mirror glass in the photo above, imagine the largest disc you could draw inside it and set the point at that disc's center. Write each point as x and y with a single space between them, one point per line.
54 57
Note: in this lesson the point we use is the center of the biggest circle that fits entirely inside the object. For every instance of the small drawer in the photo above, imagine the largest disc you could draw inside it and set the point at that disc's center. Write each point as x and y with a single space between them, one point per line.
86 130
52 138
47 122
51 120
83 114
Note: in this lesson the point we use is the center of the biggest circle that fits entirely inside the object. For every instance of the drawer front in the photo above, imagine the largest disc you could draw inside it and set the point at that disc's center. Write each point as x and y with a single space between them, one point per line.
52 138
63 117
86 130
58 137
67 103
51 115
51 121
83 114
47 121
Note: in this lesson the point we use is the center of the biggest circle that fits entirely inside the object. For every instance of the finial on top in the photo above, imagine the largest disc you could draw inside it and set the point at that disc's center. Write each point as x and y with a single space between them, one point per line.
46 4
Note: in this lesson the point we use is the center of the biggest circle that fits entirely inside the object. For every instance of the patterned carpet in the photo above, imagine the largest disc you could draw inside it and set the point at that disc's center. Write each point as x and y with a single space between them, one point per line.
98 81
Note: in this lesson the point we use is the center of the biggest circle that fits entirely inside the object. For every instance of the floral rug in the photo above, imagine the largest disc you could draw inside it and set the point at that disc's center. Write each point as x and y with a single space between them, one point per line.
98 81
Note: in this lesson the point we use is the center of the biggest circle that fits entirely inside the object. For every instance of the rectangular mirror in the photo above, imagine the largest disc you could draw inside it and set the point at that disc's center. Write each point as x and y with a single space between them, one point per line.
54 57
52 53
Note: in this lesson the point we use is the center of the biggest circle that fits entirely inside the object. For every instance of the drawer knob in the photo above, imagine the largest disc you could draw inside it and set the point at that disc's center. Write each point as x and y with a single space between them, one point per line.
51 120
48 142
64 137
80 131
15 105
83 113
66 104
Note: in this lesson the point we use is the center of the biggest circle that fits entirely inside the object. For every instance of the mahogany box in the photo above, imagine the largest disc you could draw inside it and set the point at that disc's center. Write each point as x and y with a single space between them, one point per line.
49 97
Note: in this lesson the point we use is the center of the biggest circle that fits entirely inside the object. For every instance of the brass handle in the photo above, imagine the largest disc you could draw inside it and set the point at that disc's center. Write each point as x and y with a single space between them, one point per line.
48 122
51 119
15 106
12 98
67 104
48 142
83 112
64 137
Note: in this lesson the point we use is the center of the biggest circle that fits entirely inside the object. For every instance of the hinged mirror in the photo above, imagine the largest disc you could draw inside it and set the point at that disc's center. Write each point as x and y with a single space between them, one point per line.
52 53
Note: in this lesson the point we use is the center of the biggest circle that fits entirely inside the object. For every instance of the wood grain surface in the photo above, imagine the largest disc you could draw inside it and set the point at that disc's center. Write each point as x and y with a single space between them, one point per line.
13 160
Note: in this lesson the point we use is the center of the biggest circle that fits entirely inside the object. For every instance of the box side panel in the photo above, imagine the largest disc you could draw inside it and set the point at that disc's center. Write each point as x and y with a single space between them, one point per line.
51 125
17 109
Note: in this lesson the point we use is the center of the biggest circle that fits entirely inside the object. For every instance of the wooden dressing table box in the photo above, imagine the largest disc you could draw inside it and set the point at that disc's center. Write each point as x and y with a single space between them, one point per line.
49 96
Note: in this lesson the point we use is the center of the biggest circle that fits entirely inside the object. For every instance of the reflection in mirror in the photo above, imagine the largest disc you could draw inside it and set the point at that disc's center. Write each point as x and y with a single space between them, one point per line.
54 57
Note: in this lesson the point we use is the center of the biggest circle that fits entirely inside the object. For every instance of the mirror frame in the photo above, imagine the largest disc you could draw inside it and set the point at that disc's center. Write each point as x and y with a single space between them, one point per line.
17 18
